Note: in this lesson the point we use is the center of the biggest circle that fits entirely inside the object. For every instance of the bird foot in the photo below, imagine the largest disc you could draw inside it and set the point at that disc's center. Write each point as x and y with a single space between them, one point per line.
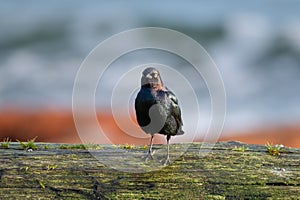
167 161
149 156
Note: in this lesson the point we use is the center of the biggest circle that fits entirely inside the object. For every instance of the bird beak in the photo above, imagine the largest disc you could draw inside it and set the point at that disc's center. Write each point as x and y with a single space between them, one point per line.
148 76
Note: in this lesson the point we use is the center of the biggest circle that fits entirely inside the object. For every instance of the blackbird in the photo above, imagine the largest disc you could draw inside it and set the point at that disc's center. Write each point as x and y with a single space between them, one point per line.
157 109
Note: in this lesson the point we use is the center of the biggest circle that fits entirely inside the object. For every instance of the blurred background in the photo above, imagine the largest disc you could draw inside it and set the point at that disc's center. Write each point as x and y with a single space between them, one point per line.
255 44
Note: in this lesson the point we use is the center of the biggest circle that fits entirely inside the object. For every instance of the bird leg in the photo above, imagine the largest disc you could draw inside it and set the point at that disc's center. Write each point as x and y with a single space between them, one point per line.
167 161
150 153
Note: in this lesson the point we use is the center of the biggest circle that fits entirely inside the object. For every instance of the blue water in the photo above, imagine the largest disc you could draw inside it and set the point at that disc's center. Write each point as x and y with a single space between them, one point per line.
255 44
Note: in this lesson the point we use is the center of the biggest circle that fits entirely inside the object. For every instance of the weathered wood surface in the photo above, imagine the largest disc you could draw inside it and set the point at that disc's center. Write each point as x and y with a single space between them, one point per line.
52 172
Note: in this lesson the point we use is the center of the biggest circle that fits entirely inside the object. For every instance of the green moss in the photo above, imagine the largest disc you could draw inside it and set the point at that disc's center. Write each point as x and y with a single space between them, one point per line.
74 146
127 146
80 146
29 145
143 147
5 143
222 174
25 168
274 150
239 148
42 184
215 197
51 167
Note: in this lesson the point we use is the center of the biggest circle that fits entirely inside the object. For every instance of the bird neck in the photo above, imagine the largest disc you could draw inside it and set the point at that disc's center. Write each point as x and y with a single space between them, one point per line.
155 86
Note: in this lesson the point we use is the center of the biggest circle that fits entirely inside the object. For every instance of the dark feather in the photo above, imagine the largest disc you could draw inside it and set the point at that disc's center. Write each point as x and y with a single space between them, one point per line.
164 105
157 109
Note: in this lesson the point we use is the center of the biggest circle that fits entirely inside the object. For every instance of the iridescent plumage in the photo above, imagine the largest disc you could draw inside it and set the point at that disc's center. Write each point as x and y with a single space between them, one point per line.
157 108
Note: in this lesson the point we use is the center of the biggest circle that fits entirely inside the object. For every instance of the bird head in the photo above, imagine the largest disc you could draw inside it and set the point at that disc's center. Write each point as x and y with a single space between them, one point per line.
151 78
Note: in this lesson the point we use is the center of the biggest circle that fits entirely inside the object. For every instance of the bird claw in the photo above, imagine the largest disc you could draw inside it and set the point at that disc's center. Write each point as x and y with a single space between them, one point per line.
167 162
149 155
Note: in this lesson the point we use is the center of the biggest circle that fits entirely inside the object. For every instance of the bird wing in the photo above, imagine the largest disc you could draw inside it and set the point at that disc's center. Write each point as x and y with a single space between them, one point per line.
175 109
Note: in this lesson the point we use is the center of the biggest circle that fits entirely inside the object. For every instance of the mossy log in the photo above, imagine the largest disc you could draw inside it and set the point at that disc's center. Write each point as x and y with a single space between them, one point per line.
231 170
